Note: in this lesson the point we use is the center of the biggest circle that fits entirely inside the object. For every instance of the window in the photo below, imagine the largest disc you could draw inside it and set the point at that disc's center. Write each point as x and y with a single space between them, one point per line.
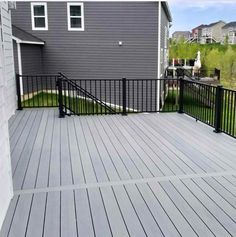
39 16
75 13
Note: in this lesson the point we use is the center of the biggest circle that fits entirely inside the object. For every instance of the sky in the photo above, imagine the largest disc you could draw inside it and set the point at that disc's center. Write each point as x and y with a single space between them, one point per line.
187 14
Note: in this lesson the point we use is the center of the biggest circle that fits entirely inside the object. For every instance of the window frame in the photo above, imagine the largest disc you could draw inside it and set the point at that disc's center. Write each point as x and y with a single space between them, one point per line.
33 4
69 4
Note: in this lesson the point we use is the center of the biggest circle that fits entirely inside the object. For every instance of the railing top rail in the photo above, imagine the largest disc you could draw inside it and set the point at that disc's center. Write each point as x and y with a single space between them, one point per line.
128 79
199 83
230 90
37 75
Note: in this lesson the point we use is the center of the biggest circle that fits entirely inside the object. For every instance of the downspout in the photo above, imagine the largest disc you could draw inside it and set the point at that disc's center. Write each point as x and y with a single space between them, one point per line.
19 65
159 57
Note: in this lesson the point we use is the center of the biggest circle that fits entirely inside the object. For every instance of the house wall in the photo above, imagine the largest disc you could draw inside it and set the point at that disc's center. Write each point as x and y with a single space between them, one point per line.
231 33
32 56
217 31
32 62
7 107
94 52
164 41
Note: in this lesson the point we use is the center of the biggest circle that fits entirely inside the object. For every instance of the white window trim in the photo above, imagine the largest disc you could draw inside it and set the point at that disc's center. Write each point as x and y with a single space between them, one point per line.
46 15
69 16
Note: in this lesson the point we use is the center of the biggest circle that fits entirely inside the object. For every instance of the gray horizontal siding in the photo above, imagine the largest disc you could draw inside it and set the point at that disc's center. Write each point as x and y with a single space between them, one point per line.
94 53
31 59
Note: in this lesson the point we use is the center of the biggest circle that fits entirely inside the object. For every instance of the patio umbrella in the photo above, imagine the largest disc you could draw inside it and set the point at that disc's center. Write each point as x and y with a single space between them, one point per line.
197 63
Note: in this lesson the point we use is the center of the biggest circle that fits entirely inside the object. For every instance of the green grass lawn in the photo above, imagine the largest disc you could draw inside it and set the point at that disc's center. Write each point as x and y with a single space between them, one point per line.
42 99
78 105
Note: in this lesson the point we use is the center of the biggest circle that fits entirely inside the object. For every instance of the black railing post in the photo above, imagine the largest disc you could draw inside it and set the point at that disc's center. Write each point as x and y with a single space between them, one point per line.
181 96
218 108
18 91
60 97
124 112
217 74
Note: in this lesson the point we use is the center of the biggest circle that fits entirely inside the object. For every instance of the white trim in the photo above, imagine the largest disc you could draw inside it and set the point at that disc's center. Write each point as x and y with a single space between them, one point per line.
159 56
26 42
45 16
31 42
20 66
16 39
69 4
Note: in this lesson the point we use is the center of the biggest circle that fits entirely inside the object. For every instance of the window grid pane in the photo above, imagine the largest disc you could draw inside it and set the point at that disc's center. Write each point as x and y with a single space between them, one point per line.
75 10
39 22
39 10
75 22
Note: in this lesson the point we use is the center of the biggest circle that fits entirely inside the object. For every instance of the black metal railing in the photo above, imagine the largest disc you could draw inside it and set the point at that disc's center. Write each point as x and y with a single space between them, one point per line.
97 96
92 96
213 105
37 91
85 97
199 101
228 112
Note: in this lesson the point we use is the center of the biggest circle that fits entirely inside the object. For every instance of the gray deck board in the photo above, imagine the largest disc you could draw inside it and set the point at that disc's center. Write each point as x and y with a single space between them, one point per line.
36 218
99 214
166 144
161 217
196 223
83 213
25 158
32 169
207 217
114 215
68 214
137 175
163 154
175 215
55 159
43 169
21 216
211 150
75 155
149 223
121 151
52 225
220 214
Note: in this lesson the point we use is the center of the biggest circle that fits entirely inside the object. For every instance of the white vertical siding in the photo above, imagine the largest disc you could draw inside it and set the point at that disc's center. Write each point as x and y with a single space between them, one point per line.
9 60
7 108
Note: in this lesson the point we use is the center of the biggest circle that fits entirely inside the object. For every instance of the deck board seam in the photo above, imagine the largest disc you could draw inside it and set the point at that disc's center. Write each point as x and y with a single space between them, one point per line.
123 182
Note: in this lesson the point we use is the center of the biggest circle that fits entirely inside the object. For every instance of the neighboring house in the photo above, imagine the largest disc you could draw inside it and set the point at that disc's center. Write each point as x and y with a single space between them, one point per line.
196 34
7 105
229 33
205 34
178 35
212 33
87 40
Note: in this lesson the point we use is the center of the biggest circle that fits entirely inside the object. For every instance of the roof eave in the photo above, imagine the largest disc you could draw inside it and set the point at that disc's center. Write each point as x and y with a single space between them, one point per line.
26 41
167 10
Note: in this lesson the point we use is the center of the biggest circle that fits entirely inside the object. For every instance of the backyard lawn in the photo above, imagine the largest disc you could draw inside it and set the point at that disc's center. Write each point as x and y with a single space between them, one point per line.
78 105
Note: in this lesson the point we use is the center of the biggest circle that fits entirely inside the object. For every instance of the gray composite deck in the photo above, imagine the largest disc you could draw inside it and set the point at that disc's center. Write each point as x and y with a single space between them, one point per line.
140 175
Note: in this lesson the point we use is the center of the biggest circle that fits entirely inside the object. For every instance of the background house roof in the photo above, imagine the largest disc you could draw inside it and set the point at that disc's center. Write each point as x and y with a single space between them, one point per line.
231 24
24 36
213 24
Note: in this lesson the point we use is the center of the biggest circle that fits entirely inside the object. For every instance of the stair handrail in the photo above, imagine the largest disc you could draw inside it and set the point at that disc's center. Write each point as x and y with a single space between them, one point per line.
89 95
